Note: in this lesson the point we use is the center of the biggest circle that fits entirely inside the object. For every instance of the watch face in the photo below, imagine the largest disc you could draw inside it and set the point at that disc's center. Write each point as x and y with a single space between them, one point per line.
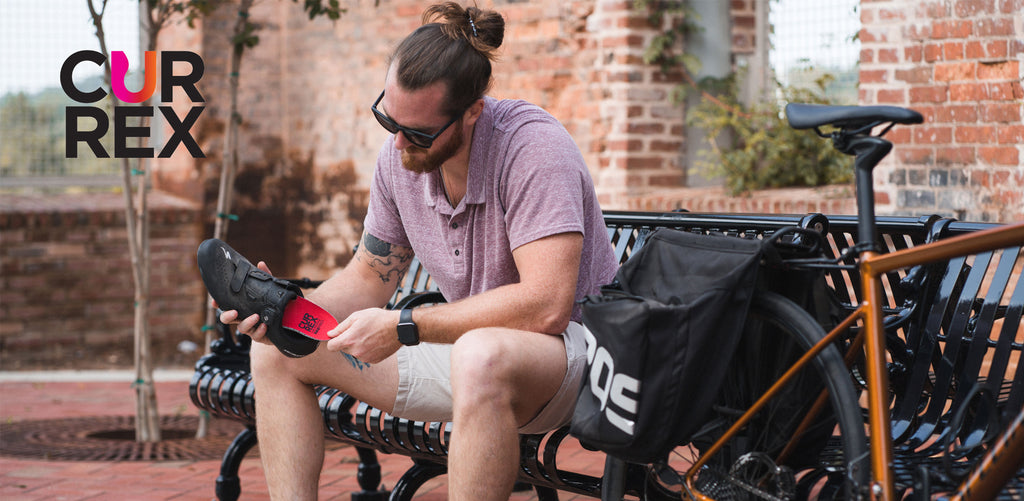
408 333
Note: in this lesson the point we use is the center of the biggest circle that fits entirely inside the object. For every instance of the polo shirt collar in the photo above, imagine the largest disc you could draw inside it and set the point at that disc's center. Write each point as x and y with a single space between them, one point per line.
478 153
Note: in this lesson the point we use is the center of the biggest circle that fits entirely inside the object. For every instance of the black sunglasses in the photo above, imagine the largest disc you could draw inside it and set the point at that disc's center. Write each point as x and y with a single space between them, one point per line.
421 139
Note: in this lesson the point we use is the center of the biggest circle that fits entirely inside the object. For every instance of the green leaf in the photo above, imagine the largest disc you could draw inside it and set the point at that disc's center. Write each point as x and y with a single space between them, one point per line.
691 63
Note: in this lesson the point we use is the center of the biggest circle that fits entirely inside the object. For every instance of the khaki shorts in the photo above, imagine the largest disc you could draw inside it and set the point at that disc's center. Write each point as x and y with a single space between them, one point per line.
425 391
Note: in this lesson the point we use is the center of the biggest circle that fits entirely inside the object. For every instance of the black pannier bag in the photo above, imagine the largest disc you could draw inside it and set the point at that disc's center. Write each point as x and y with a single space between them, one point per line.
659 341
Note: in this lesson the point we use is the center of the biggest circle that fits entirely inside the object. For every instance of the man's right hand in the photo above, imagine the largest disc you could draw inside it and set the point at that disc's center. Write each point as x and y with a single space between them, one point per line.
250 326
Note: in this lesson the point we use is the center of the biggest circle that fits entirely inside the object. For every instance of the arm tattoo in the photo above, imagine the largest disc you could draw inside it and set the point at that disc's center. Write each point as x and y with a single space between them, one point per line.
386 260
376 246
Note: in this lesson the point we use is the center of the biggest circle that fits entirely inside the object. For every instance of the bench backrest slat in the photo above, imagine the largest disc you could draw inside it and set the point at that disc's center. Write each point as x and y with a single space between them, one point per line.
959 345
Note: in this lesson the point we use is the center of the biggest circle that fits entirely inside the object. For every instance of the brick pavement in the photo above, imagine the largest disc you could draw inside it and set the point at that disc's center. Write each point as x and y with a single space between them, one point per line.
87 395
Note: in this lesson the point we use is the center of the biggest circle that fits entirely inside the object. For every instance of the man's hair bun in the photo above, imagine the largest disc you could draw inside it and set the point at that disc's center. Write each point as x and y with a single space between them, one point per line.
483 29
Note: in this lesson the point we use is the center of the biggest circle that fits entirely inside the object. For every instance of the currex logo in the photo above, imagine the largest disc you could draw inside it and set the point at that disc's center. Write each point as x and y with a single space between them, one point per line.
122 131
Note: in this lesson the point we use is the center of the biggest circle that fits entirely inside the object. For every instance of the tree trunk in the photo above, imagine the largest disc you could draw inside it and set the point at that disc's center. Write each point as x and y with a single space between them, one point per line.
230 160
147 418
147 421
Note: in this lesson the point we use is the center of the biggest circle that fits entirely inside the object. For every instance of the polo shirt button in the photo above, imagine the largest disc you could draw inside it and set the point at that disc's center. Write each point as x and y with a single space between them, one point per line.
455 225
456 252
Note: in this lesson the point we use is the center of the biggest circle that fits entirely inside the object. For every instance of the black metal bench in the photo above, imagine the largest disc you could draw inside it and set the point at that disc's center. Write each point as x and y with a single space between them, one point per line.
954 332
957 370
222 385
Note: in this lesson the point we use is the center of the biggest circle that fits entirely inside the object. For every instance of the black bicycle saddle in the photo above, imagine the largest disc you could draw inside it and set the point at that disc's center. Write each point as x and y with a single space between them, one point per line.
808 116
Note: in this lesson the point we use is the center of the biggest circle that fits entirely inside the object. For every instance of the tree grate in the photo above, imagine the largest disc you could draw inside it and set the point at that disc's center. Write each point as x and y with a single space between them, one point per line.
112 438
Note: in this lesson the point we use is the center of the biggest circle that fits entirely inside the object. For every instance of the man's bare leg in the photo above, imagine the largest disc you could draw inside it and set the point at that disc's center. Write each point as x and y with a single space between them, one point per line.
288 420
292 460
500 381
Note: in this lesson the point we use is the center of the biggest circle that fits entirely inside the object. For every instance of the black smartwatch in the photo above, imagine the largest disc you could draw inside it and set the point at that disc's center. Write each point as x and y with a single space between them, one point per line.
408 333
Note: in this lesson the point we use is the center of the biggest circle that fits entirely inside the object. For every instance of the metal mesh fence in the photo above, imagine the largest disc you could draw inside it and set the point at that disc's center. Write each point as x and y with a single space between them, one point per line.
35 39
811 38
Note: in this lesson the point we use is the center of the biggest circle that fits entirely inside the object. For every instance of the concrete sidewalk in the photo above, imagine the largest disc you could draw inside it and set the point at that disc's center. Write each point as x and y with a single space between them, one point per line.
60 394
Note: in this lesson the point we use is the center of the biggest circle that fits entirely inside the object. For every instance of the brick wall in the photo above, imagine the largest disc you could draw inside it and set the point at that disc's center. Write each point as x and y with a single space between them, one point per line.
960 64
309 142
66 293
824 199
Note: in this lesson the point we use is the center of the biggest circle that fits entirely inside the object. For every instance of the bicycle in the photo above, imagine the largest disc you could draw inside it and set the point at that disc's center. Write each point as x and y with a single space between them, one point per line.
794 397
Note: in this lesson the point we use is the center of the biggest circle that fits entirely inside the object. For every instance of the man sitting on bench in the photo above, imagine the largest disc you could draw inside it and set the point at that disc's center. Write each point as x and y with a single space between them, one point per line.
495 200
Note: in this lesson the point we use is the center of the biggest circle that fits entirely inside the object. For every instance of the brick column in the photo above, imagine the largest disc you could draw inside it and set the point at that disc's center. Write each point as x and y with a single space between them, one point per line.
959 64
643 129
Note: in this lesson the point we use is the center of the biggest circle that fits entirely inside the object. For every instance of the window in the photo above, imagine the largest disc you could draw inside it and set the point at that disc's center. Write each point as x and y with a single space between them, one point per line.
811 38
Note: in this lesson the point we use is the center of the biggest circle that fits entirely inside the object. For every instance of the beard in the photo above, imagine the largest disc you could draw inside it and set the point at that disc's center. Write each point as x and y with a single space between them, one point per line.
425 161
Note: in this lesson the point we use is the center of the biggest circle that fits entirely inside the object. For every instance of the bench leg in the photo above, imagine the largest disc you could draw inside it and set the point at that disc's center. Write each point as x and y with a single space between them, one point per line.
613 486
415 477
228 484
369 477
546 493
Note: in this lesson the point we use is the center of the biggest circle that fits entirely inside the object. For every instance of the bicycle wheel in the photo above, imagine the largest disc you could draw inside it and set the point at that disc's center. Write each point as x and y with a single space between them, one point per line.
829 457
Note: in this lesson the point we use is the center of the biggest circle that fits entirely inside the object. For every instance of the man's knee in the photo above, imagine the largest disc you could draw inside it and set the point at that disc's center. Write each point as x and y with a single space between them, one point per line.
480 357
266 362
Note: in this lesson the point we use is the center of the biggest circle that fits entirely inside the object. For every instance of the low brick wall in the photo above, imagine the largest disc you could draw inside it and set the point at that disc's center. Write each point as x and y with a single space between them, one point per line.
824 199
66 288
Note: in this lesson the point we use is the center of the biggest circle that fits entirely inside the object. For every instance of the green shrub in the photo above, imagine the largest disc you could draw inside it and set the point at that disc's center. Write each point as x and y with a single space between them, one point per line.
753 147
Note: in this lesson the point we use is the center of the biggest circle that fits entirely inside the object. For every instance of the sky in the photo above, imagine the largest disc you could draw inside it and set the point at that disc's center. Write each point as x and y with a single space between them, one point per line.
37 35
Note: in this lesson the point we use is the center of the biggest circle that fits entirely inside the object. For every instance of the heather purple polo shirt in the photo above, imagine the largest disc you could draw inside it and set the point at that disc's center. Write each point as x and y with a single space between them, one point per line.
527 180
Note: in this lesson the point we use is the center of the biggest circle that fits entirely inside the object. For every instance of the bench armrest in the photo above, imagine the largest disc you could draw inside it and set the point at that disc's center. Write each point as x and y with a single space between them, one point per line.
418 299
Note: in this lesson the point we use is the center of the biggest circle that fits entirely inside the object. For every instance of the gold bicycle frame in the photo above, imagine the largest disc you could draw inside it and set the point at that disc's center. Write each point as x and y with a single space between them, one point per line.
998 465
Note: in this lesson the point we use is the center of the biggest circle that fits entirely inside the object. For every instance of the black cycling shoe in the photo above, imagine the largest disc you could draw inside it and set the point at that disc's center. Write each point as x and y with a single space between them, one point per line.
236 284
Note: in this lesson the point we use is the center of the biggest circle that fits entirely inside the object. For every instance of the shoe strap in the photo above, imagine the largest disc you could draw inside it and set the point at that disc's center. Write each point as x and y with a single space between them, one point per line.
242 268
